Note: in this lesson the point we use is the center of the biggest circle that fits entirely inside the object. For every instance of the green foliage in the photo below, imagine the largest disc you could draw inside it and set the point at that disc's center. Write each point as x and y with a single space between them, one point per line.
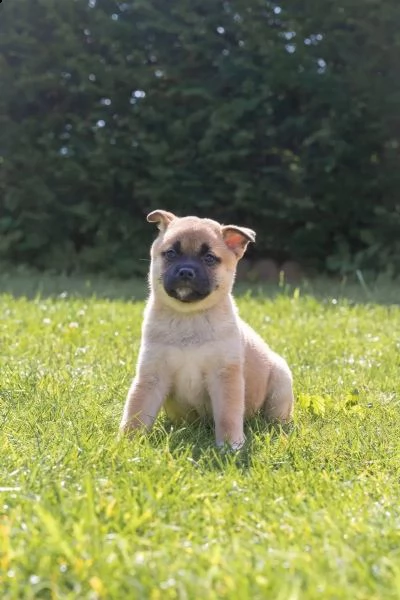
309 514
281 118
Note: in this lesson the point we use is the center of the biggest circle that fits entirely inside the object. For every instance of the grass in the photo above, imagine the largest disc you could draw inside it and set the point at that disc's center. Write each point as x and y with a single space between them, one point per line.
313 513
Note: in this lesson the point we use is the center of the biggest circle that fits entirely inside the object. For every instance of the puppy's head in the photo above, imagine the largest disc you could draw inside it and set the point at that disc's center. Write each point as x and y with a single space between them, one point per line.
193 261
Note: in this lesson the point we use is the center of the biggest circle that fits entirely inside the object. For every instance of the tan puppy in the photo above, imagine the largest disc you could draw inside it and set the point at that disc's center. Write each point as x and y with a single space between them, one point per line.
197 357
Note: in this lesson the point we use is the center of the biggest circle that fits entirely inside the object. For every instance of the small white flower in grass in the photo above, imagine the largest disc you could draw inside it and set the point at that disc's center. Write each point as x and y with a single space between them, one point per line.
73 325
169 583
81 350
139 558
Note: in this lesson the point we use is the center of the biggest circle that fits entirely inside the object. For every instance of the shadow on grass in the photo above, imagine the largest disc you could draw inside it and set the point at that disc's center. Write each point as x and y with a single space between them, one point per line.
197 442
22 282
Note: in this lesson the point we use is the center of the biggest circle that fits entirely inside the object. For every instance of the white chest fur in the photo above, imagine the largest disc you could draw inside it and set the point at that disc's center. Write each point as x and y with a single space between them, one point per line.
189 349
190 368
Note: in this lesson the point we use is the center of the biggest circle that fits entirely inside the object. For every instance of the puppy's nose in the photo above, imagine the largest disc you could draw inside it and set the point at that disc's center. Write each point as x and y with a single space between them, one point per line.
186 273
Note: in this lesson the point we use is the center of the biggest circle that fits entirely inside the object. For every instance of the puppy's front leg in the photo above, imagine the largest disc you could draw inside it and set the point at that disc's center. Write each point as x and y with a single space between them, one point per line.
226 389
144 400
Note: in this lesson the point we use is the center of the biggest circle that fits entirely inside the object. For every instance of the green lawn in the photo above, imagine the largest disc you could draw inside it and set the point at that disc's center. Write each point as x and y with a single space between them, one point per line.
313 513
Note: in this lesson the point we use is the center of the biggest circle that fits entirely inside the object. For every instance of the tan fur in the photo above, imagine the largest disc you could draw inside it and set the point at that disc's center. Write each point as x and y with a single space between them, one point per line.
199 359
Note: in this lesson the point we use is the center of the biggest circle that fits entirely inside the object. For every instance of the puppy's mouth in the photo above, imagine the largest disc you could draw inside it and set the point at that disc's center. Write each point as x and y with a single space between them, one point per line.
185 293
187 280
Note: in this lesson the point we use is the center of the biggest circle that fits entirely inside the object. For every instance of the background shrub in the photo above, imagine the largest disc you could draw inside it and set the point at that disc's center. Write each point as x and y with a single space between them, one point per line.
280 117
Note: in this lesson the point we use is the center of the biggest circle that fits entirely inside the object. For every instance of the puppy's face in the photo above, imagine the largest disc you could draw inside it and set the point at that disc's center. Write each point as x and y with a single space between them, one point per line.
194 260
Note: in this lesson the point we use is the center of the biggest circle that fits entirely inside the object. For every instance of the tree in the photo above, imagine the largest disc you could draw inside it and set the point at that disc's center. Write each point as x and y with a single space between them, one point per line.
283 118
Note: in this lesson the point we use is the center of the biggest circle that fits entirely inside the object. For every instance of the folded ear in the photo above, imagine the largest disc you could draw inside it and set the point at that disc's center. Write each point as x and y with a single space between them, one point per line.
162 217
237 238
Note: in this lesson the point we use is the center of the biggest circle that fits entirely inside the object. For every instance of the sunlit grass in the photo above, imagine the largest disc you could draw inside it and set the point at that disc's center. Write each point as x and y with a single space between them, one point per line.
313 513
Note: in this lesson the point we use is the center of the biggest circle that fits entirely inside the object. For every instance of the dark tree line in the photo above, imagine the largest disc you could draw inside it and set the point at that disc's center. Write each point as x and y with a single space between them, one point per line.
280 116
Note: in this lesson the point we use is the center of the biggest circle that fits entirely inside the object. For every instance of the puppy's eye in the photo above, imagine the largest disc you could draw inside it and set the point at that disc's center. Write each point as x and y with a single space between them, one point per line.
170 254
210 259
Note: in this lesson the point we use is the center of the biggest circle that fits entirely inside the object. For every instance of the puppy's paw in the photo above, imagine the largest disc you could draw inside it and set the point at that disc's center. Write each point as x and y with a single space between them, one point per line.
123 432
128 428
230 446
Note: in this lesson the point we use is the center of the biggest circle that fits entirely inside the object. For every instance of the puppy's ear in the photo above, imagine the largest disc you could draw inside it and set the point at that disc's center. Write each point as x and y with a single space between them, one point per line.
237 238
162 217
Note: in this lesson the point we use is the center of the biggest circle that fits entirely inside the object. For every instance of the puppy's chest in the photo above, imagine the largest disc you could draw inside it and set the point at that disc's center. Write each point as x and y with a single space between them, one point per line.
191 351
189 368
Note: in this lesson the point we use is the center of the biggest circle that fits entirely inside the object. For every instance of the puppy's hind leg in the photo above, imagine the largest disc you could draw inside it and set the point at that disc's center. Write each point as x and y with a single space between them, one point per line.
279 404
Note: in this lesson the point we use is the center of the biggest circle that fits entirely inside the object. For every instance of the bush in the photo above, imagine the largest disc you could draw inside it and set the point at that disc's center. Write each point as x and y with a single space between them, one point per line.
282 119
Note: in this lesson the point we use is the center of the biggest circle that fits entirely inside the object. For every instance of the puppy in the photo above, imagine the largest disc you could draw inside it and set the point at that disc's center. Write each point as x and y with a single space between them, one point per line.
197 357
